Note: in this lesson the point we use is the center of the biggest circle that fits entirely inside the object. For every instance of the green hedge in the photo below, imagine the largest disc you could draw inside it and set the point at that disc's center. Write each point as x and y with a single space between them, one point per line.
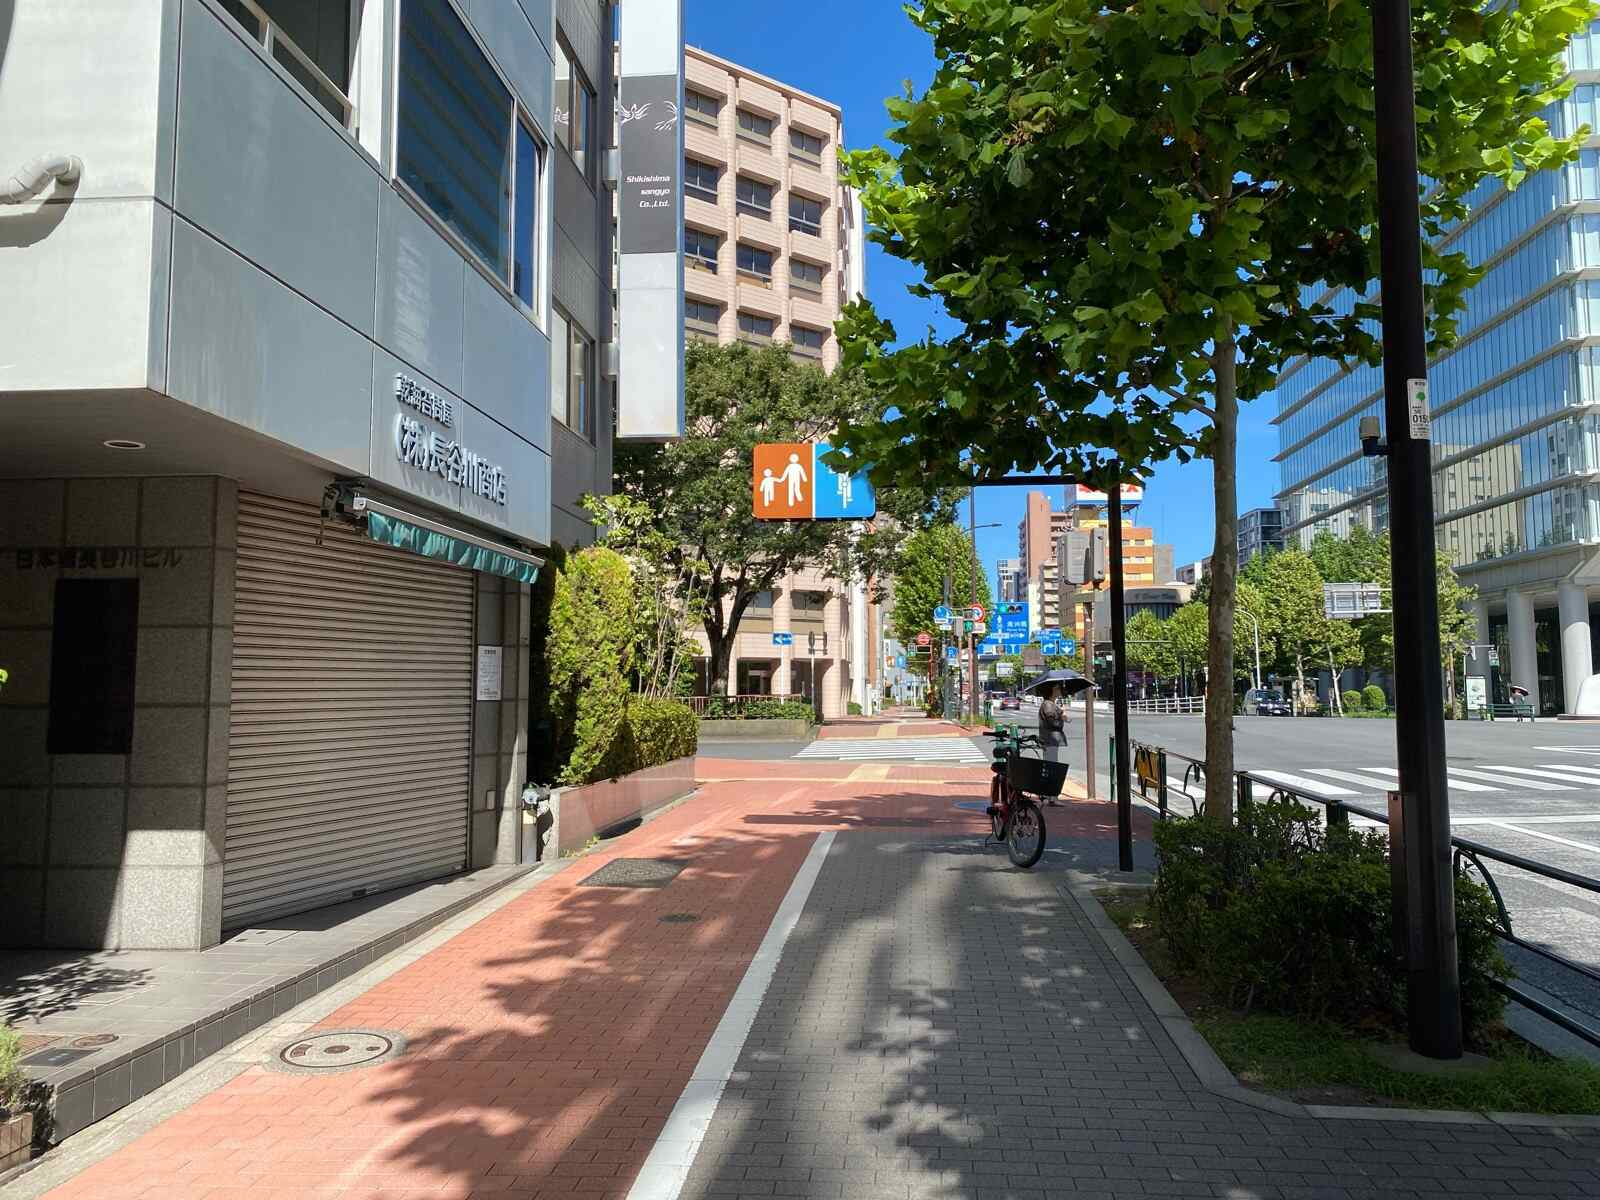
1373 698
1278 913
590 655
720 708
1353 701
660 731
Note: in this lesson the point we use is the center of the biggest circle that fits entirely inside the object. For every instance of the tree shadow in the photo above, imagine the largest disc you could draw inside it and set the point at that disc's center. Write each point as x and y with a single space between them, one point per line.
36 985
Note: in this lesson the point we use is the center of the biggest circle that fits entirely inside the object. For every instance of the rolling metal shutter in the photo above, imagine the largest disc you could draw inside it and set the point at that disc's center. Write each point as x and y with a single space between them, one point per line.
350 742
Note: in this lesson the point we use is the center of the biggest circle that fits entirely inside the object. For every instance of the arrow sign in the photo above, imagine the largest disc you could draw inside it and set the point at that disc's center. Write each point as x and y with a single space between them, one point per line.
783 639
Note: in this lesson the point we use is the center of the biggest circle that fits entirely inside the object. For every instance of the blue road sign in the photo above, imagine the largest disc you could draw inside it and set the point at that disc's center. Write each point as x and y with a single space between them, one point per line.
951 654
1071 645
900 661
1011 620
783 639
841 495
942 614
990 645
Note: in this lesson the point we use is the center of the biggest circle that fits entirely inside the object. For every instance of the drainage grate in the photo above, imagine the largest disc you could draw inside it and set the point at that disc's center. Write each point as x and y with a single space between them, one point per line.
339 1050
679 918
635 872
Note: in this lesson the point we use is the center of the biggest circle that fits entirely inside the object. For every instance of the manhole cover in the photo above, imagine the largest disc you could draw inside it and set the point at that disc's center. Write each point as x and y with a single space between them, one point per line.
679 918
340 1050
635 872
91 1041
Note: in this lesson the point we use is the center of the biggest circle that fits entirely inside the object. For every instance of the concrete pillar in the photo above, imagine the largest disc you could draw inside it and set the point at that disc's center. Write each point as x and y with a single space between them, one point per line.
783 622
1478 663
1577 648
834 686
1524 647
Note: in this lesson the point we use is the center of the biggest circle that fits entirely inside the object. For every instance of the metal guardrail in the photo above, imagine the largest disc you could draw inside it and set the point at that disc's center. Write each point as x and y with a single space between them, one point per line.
281 48
1184 706
1151 768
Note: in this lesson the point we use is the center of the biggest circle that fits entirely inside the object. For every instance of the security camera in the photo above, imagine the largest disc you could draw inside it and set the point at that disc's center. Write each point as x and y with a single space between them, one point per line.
1372 443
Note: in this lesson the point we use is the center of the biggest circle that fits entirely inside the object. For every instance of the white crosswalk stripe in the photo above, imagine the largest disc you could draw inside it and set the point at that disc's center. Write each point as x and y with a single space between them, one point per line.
1300 781
1531 784
940 750
1480 777
1367 783
1565 774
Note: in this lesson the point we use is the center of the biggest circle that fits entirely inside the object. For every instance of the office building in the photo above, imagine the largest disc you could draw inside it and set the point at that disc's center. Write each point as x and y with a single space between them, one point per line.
773 250
1193 573
1516 439
1261 532
1009 580
306 368
1145 562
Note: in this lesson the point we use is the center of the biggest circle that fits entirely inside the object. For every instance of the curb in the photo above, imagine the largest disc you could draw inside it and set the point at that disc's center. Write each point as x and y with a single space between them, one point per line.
1215 1077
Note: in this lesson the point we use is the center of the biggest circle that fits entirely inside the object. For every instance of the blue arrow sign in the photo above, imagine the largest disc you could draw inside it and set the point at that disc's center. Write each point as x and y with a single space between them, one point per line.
941 613
783 639
1071 645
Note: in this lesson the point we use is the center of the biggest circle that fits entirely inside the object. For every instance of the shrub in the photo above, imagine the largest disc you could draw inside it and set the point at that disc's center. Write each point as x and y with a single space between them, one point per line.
659 731
1372 696
1352 701
721 709
590 655
14 1085
1279 913
853 709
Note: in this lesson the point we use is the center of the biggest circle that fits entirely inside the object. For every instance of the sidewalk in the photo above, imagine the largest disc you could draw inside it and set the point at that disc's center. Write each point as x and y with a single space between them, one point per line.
843 993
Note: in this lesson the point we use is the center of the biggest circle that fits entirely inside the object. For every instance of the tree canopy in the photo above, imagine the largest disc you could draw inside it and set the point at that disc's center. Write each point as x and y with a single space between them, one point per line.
1138 212
931 555
697 489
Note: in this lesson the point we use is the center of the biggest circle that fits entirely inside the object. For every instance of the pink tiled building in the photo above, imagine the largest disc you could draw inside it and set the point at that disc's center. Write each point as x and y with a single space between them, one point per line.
772 239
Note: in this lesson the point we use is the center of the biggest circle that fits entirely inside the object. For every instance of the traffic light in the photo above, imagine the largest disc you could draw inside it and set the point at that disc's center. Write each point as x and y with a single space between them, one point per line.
1075 566
1098 551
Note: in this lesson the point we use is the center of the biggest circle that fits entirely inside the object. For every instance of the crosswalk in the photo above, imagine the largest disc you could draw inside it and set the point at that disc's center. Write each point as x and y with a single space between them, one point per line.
1479 778
957 750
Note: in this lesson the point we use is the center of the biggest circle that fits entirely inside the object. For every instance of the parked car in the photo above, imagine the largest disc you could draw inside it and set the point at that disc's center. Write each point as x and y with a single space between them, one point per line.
1266 702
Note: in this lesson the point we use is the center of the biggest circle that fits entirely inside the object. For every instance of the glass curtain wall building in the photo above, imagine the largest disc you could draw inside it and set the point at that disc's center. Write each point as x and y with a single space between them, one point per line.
1516 421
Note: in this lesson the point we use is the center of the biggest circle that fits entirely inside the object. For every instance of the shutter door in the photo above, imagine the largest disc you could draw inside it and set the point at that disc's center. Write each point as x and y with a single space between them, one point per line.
350 741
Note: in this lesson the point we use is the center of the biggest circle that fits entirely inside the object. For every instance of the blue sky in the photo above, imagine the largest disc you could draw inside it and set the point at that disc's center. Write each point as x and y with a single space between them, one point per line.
868 49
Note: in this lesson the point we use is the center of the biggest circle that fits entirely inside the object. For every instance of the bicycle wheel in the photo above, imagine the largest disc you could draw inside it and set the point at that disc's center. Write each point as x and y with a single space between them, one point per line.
997 807
1025 834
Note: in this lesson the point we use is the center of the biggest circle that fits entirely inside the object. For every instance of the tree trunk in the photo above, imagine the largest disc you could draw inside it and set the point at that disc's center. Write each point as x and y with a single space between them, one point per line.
1338 694
1300 678
720 645
1224 578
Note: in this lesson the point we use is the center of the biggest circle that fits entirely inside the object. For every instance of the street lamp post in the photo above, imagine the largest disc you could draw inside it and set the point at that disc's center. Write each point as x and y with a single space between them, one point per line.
1425 912
1256 627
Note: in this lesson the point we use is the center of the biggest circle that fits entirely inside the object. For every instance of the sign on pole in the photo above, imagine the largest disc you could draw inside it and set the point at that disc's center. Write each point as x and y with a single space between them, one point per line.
790 482
1070 646
942 615
1351 601
976 612
924 638
783 639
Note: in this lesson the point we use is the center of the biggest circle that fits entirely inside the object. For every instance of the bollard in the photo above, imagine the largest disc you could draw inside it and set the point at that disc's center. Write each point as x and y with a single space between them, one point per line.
1337 816
1161 787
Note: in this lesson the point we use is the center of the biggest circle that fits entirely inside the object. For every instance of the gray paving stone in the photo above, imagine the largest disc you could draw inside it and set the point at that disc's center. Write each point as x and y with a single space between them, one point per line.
941 1025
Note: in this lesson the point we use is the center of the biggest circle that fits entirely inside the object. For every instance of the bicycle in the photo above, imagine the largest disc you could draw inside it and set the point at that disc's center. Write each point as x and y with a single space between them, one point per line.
1015 816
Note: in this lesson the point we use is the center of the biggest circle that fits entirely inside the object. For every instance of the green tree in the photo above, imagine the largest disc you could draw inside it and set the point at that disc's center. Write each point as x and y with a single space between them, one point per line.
1130 209
1294 616
938 554
1150 646
589 654
698 488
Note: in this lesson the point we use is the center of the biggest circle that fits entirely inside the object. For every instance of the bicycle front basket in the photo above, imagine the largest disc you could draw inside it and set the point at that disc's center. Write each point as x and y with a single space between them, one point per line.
1038 776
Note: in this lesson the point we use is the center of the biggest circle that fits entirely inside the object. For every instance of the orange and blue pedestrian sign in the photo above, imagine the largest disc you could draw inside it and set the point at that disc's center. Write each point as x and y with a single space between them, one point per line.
790 482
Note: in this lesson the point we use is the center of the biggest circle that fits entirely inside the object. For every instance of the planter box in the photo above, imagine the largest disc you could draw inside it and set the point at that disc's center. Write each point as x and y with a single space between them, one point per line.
598 809
16 1140
774 730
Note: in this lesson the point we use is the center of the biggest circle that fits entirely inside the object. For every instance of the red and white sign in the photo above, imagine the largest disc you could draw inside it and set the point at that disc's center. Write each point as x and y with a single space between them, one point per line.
976 612
923 639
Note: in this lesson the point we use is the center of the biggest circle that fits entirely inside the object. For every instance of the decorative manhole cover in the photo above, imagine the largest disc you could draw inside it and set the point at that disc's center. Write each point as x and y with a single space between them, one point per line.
679 918
340 1050
635 872
92 1041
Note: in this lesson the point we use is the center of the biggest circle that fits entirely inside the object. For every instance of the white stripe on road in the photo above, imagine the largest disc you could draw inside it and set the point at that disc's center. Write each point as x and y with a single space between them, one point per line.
667 1167
1568 750
1300 781
1518 818
1367 783
1549 837
945 750
1565 774
1457 784
1522 783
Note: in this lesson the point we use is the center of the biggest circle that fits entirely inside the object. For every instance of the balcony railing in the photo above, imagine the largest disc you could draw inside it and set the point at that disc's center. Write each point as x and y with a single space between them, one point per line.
282 50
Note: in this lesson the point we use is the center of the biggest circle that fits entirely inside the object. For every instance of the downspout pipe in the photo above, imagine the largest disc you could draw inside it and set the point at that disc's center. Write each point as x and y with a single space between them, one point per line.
39 173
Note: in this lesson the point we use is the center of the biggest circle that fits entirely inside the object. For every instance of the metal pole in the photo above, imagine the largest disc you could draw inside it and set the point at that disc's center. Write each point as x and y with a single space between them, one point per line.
1119 688
972 638
1433 997
1088 702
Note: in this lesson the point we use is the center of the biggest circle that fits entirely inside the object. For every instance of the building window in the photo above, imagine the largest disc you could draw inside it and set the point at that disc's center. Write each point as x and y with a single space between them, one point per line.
806 146
701 248
755 261
700 179
754 197
804 276
809 602
525 229
756 329
805 215
454 144
574 115
94 648
571 375
309 41
701 107
701 315
755 126
807 342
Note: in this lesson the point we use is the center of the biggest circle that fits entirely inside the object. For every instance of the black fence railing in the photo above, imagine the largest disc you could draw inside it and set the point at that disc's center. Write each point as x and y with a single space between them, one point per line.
1151 769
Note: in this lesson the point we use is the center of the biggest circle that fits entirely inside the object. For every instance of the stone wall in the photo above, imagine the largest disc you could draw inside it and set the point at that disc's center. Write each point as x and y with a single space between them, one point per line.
118 850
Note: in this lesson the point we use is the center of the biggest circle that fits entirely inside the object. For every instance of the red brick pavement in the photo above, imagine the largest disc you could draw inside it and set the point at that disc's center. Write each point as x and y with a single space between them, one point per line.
550 1040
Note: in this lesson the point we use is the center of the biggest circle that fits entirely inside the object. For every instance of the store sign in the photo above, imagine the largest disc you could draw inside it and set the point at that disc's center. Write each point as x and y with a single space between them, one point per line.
425 400
429 450
491 671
